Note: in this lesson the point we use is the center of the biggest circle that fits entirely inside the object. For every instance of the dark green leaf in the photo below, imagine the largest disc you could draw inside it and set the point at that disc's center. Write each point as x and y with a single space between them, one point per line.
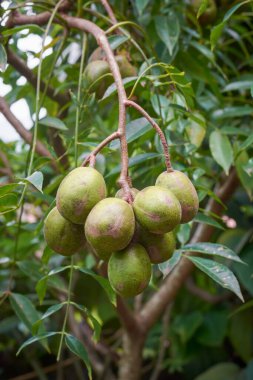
216 32
202 218
8 188
51 310
221 371
24 309
53 122
95 323
221 150
168 29
78 349
212 249
117 40
134 130
36 338
17 29
8 202
137 160
232 112
170 264
141 5
104 282
219 273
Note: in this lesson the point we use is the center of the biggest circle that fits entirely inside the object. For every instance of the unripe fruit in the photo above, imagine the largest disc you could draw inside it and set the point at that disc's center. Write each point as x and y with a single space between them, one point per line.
121 194
159 247
125 67
95 70
181 186
78 193
110 226
61 235
129 271
157 209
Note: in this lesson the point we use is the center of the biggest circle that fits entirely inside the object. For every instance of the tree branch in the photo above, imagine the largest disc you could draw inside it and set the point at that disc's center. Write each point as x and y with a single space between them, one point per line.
23 69
109 11
130 103
106 141
24 133
170 287
7 170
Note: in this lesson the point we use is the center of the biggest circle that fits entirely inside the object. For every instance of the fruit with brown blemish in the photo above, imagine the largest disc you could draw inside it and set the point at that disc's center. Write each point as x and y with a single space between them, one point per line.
159 247
97 78
110 226
157 209
129 271
79 192
121 194
61 235
183 189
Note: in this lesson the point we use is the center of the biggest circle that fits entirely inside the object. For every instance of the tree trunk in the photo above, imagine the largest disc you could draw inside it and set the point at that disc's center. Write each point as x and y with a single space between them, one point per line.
131 360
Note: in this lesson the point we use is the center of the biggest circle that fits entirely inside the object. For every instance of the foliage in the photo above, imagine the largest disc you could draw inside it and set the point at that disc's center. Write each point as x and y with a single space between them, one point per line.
196 81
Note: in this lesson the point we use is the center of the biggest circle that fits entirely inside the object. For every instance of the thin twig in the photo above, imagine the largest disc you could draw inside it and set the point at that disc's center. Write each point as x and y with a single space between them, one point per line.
109 11
204 295
106 141
23 132
131 103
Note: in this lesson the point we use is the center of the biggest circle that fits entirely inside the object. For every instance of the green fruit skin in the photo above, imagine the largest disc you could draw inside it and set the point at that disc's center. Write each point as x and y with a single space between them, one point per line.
125 68
159 247
79 192
157 209
61 235
181 186
94 70
120 193
129 271
110 226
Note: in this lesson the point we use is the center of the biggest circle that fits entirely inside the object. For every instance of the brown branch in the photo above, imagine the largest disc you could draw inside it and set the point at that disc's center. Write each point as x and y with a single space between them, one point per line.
127 317
7 170
204 295
24 133
23 69
109 11
100 36
130 103
170 287
106 141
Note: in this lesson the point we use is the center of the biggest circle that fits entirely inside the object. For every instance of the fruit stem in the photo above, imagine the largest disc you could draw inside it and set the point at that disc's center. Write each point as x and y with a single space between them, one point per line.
130 103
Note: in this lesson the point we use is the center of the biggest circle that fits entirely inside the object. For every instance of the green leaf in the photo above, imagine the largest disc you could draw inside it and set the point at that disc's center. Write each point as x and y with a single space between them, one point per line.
245 178
51 310
104 282
221 371
221 150
3 58
203 6
213 330
137 160
8 188
170 264
141 5
36 179
212 249
202 218
246 144
232 10
36 338
168 29
238 85
232 112
95 323
24 309
41 289
216 32
78 349
135 129
8 202
186 325
241 338
32 29
219 273
117 40
53 122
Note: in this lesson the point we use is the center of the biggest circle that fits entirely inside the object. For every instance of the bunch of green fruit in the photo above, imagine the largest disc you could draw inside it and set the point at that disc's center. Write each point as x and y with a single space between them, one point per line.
130 237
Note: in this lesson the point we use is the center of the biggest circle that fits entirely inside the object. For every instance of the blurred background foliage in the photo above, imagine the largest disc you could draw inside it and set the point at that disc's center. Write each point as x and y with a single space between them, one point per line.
194 75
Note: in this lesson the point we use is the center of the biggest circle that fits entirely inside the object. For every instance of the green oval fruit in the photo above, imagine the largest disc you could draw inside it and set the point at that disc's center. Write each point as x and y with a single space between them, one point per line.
97 55
159 247
78 193
181 186
120 193
95 70
157 209
61 235
209 16
125 67
129 271
110 226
